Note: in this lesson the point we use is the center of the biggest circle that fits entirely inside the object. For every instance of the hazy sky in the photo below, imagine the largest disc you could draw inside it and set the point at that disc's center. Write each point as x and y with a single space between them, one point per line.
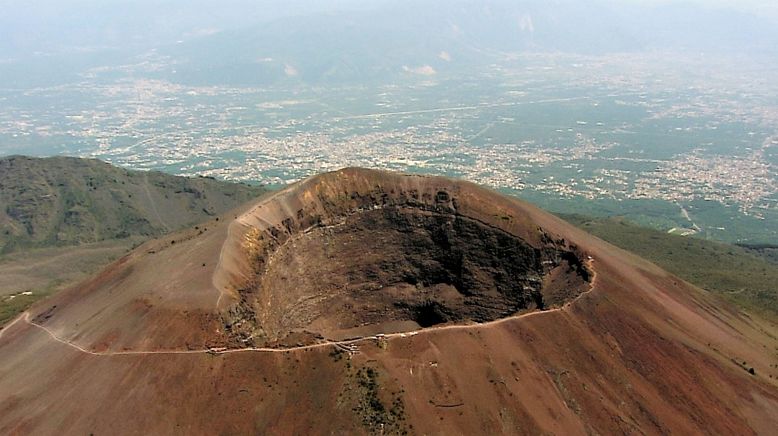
755 6
37 25
762 7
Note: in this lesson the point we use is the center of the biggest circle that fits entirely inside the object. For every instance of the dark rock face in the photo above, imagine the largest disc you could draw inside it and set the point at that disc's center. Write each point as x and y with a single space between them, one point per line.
492 273
397 260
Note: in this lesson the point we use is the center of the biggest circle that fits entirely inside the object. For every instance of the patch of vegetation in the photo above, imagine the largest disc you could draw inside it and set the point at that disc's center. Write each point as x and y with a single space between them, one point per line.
336 354
735 272
767 251
12 305
375 415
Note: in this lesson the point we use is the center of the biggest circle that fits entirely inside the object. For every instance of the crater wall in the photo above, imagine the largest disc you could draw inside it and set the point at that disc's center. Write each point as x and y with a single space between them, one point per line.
359 252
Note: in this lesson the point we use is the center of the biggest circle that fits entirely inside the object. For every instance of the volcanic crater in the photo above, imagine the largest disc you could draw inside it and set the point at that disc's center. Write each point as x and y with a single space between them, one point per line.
360 252
204 325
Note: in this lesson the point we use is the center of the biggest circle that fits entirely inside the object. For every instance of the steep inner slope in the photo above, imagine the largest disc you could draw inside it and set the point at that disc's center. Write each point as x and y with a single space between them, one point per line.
350 259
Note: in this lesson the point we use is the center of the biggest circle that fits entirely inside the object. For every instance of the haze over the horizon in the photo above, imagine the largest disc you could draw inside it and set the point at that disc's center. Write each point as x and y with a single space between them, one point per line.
45 25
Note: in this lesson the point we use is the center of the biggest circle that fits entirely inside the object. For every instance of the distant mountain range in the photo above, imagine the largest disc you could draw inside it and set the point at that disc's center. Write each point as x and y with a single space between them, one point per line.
432 36
358 43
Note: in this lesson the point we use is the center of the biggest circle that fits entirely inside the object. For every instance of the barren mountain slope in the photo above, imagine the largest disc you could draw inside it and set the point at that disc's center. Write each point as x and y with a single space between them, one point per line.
499 318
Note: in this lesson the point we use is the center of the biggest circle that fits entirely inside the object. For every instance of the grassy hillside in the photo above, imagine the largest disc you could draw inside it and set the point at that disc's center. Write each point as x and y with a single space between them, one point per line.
63 201
740 274
766 251
27 276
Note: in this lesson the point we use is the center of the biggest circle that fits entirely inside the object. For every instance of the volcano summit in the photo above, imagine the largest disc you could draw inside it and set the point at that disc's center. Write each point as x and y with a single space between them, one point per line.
360 252
362 301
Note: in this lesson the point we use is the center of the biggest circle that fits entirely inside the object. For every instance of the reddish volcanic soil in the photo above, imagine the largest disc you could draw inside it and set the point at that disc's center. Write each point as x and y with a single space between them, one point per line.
492 316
